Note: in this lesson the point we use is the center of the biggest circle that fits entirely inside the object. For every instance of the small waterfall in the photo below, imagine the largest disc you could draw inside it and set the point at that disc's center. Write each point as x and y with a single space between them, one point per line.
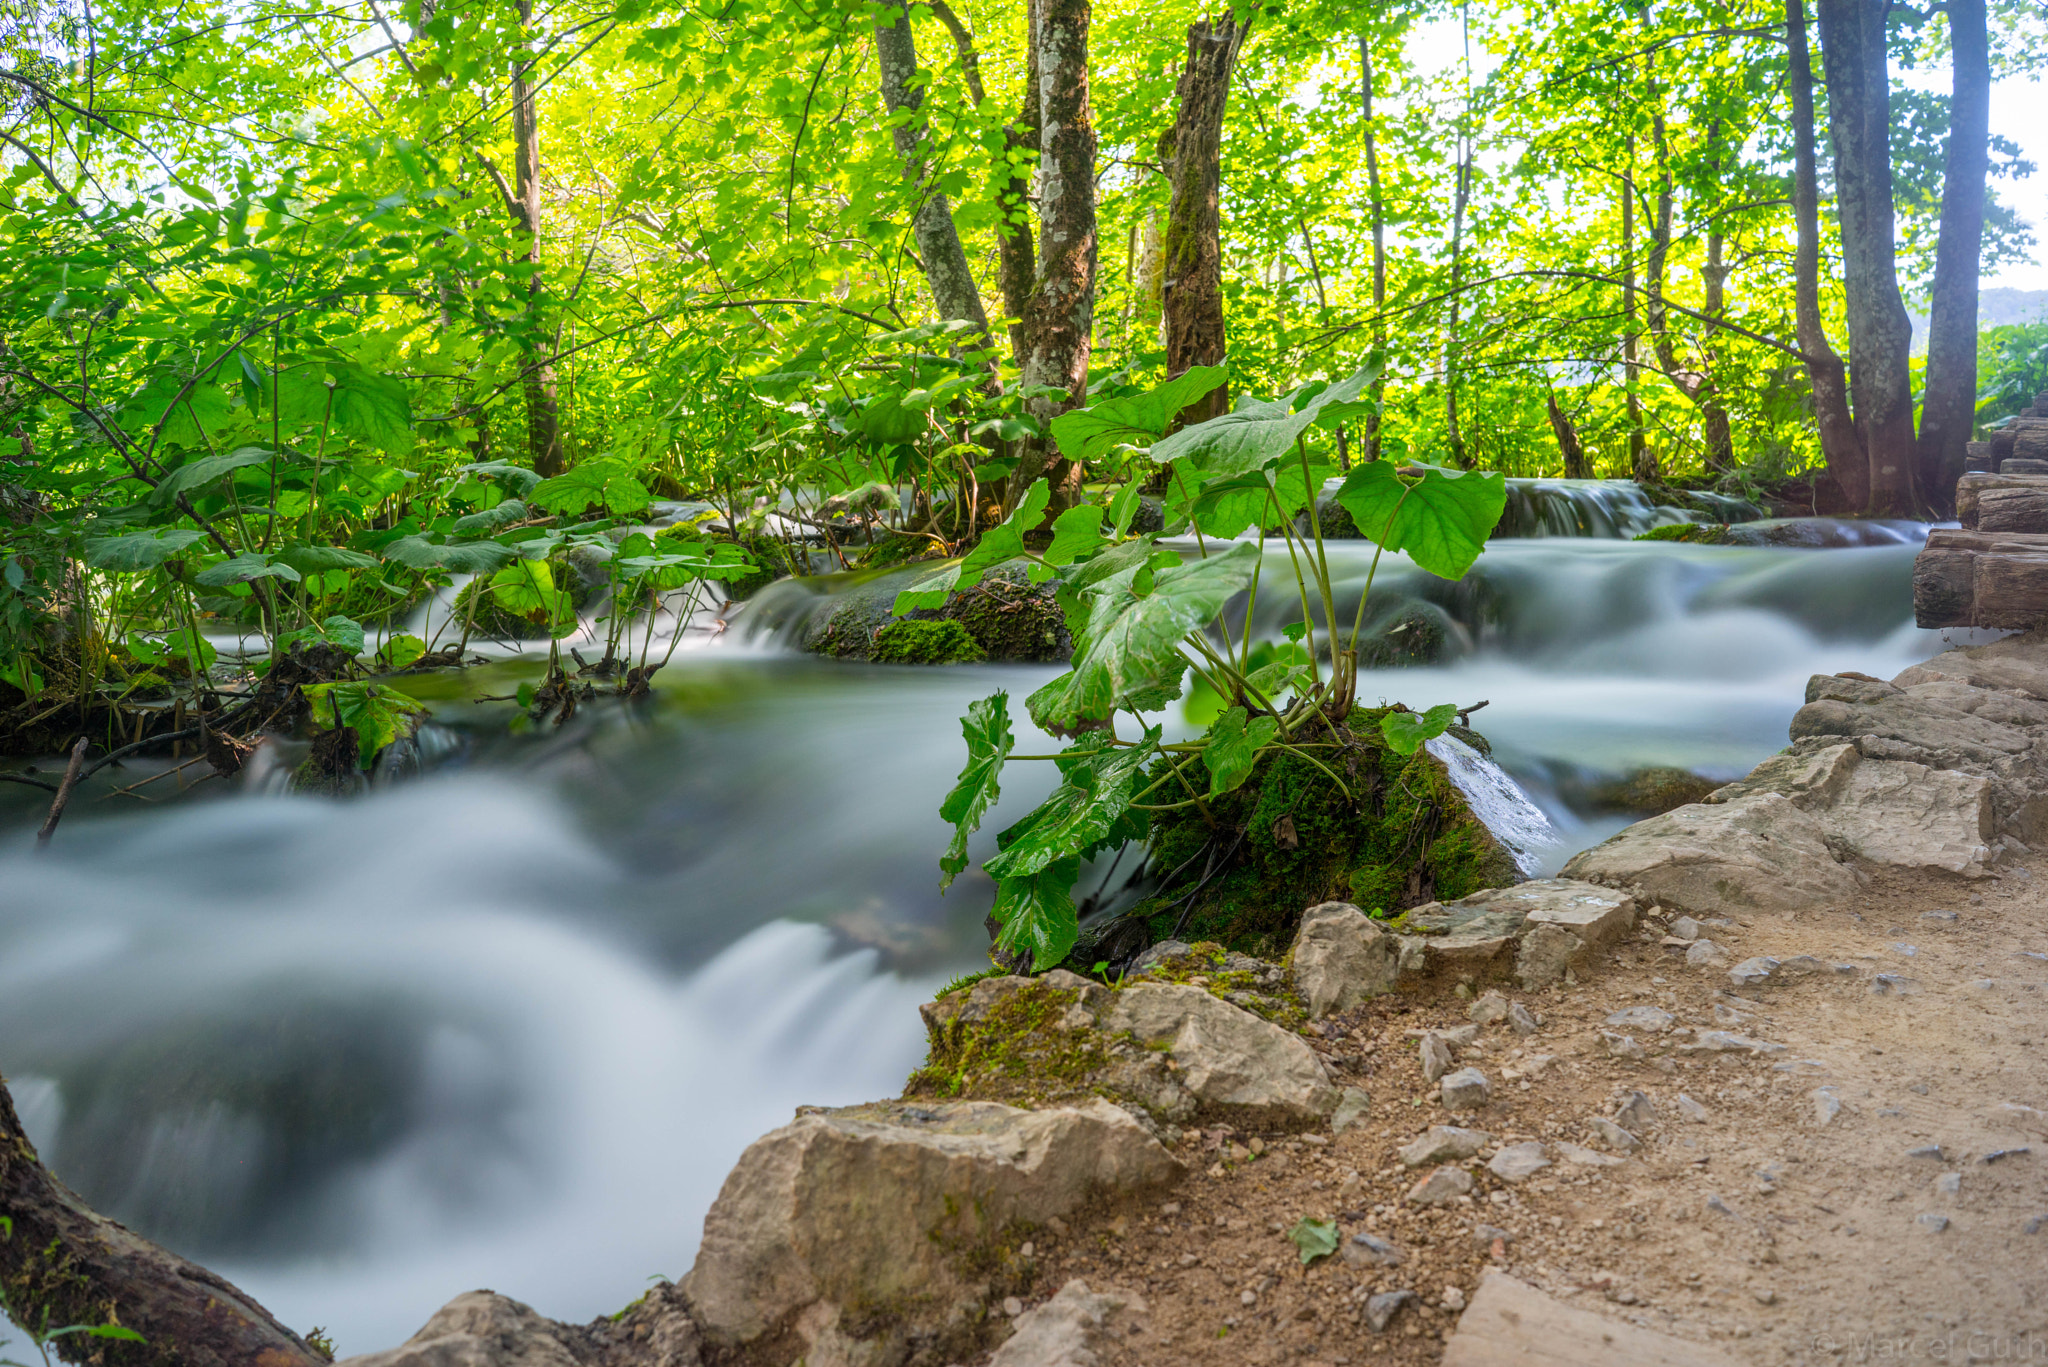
1612 508
1499 803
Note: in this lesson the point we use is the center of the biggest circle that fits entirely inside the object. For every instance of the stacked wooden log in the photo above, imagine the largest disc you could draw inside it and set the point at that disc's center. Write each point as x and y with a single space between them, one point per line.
2025 439
1993 570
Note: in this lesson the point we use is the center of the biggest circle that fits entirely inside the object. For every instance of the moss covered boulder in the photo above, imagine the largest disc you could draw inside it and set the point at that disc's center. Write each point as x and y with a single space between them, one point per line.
925 643
1009 618
1241 868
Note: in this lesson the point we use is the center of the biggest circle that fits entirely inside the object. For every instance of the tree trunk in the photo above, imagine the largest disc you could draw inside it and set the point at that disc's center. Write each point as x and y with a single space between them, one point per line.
1841 444
1713 416
63 1264
1378 389
1060 315
1193 154
1453 433
1016 268
543 418
1949 401
1630 338
1880 335
938 242
1574 451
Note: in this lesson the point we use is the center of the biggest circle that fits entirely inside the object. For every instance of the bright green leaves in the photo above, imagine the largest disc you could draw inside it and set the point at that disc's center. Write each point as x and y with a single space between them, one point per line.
527 588
374 409
196 474
602 483
673 562
989 742
1441 519
1234 744
1135 420
1076 534
377 713
1406 731
1127 652
1258 498
997 544
1313 1239
133 551
458 557
1256 434
1042 854
316 559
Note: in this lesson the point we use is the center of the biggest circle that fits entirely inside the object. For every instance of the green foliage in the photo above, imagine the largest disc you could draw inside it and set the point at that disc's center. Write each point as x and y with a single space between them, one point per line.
1405 731
986 728
1441 519
1313 1239
377 713
926 643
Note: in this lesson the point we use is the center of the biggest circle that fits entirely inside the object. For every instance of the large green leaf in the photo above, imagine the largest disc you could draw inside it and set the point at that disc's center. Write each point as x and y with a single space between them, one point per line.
1083 813
1234 743
378 713
1256 434
195 473
989 741
1441 519
1076 534
374 409
245 568
1002 542
313 559
457 557
1135 419
606 483
1258 498
1037 914
1127 652
1405 732
886 422
134 551
491 519
527 587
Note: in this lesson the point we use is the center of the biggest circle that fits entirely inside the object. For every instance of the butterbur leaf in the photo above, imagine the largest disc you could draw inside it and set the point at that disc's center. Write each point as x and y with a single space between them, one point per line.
1225 507
931 591
377 713
1135 419
1082 814
527 587
194 474
374 409
1256 434
245 568
1234 743
134 551
1123 508
460 557
1441 519
314 559
1037 914
602 483
989 741
401 652
1076 533
1406 731
491 519
1314 1239
1127 653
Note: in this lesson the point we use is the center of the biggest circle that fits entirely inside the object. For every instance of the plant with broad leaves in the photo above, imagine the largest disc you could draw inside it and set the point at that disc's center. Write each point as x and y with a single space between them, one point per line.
1145 618
379 714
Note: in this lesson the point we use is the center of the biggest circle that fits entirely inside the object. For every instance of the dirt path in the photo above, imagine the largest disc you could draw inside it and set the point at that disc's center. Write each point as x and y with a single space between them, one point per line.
1754 1226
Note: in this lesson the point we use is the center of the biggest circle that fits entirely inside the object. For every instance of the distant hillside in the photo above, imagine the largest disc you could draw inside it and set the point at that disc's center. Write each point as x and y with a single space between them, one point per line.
1995 308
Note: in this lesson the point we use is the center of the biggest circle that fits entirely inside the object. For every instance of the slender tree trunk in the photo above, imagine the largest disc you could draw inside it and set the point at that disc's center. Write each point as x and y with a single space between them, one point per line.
1568 443
1880 334
1193 153
1713 414
543 417
61 1263
1016 260
1848 464
1060 315
1378 388
938 242
1452 430
1630 337
1949 401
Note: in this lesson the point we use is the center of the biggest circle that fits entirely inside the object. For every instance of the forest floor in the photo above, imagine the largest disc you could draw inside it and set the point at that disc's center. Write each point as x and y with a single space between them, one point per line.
1756 1225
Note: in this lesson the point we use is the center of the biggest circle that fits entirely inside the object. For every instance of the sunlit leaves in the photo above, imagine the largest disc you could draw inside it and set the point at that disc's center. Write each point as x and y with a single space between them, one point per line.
1256 434
1440 518
196 475
1000 543
377 713
1234 743
457 557
1406 731
1136 420
600 483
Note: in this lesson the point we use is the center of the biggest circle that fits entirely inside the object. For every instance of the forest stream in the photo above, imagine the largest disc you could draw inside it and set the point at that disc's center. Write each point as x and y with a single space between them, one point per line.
509 1023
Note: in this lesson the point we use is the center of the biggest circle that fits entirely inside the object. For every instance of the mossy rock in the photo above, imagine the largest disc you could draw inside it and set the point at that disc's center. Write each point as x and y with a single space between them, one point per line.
925 643
1289 838
1019 1052
1009 618
897 548
1692 533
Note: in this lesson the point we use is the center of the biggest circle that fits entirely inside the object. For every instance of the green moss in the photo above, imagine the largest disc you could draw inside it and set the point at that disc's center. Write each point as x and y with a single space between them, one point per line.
1207 965
1012 618
1017 1053
1694 533
925 643
1290 838
897 548
1651 792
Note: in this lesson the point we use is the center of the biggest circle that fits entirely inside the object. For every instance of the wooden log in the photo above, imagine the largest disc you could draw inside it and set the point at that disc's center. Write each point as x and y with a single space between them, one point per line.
62 1264
2001 443
2010 589
2014 508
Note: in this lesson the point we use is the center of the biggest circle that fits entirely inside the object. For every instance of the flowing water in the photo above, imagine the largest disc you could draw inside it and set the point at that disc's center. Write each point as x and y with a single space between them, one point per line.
509 1024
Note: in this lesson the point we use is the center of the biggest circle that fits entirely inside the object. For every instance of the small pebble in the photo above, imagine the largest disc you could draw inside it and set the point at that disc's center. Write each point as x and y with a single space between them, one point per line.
1765 1296
1012 1306
1454 1298
1936 1223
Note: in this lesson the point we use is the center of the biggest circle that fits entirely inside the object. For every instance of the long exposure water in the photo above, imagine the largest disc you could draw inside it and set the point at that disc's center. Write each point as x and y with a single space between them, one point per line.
509 1024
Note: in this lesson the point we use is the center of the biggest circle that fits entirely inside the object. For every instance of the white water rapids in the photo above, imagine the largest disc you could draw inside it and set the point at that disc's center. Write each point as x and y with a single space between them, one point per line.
510 1024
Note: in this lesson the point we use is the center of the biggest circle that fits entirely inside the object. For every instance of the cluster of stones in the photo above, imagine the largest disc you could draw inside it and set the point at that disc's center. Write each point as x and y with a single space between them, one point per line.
1992 571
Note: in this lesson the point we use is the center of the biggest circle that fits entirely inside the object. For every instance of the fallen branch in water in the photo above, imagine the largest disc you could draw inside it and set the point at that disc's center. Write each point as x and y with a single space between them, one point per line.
63 798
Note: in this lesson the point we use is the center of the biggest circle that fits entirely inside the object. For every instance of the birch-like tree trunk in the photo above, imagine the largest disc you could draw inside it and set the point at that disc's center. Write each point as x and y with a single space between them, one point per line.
1193 154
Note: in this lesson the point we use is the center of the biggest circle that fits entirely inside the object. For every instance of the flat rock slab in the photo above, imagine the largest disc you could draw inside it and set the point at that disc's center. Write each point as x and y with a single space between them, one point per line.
1534 931
1757 853
1512 1324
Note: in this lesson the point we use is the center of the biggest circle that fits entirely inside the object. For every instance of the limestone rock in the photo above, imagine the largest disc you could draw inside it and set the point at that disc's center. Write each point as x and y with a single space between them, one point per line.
1441 1187
1518 1162
1437 1058
2017 664
1069 1329
1758 852
483 1329
1465 1090
1535 931
874 1205
1341 958
1652 1018
1705 954
1613 1135
1226 1057
1511 1322
1444 1143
